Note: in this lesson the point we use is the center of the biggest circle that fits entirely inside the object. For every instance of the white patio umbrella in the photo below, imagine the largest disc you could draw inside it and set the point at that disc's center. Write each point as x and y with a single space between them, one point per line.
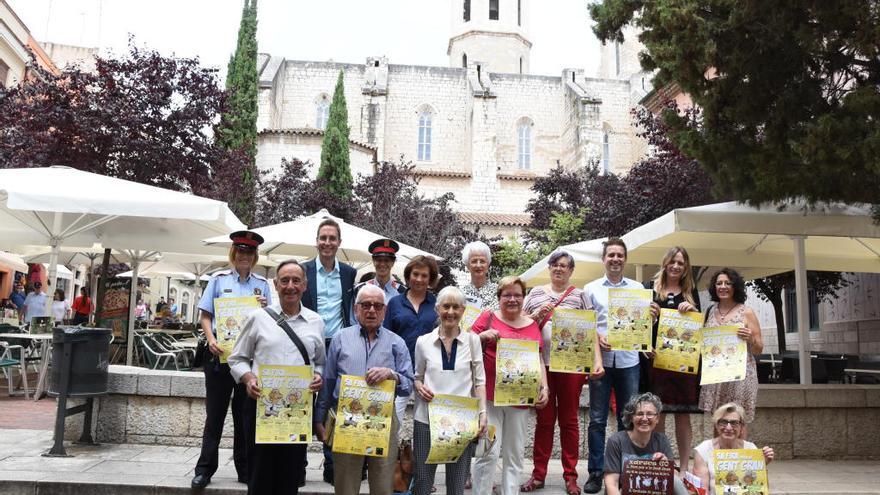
782 236
297 238
640 266
55 206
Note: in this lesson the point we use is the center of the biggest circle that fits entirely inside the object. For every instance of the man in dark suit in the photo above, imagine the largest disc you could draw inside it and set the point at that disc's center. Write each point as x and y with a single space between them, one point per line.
328 293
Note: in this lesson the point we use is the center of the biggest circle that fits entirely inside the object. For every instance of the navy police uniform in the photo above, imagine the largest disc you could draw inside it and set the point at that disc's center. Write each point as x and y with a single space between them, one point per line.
219 384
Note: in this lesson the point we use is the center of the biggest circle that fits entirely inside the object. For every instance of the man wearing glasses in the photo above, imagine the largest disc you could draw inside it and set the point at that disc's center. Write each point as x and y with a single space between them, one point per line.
370 350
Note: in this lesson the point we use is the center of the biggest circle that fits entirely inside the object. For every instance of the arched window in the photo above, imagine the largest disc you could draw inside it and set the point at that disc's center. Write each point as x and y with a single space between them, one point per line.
520 65
524 145
467 11
184 305
425 122
322 112
606 153
493 10
464 60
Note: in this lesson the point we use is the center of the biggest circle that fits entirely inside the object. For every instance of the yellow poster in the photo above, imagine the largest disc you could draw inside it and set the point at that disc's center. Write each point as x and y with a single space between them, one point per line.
678 341
471 313
572 340
724 355
517 372
454 422
363 417
284 411
740 471
229 313
629 319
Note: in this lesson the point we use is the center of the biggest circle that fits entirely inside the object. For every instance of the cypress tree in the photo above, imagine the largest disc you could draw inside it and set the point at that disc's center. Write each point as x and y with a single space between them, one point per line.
335 168
237 130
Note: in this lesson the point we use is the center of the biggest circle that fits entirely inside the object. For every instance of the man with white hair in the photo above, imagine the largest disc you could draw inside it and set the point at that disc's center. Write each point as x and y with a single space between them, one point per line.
370 350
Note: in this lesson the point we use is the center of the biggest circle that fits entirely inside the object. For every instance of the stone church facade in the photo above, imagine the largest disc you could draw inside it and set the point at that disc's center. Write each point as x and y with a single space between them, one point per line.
482 128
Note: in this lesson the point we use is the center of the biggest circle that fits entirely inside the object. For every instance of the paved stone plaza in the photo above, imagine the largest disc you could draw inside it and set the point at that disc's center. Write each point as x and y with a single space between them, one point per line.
156 469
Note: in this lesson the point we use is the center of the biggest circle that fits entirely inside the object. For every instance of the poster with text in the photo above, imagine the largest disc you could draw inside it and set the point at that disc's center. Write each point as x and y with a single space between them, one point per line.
572 340
284 411
114 310
678 341
629 319
471 313
363 417
454 422
740 471
647 477
724 355
229 314
517 372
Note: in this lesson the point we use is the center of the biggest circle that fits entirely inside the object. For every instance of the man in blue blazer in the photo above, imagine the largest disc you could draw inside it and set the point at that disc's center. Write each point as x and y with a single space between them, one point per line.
329 281
328 293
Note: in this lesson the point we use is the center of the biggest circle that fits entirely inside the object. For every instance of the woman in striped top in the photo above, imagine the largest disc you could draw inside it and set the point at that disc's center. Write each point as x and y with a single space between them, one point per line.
564 388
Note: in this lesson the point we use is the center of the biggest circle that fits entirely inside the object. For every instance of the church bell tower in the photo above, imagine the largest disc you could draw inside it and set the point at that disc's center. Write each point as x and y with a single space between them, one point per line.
492 33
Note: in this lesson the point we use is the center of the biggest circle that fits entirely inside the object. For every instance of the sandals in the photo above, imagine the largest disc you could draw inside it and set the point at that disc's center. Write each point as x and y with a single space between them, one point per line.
572 487
531 485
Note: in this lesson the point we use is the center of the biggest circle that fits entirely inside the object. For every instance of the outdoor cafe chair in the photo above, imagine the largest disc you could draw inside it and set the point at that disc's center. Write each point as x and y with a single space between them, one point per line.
154 356
8 361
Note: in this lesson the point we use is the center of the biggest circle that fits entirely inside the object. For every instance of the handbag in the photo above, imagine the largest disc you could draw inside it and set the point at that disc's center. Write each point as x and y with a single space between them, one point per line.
403 469
199 356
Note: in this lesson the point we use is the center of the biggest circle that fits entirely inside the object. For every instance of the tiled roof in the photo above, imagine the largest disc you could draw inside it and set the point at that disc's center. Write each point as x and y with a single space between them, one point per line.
427 172
500 219
309 131
518 175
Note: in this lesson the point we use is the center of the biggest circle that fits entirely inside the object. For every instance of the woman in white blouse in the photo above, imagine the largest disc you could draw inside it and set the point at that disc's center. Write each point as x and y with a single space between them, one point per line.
449 362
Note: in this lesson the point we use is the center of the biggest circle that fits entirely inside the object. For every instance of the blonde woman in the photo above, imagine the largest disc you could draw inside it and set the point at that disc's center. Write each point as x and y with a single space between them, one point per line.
674 288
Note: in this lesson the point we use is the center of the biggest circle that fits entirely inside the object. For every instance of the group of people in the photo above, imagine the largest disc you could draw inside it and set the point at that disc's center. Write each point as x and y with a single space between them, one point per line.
34 304
383 330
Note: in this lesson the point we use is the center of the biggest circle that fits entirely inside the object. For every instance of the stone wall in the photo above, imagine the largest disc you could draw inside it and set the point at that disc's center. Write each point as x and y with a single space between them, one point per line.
815 421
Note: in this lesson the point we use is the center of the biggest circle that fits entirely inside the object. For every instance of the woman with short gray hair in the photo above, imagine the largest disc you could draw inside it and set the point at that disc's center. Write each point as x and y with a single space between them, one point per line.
480 292
447 361
638 441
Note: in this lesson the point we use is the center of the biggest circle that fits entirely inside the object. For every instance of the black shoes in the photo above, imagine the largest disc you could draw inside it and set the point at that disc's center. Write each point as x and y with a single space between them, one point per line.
200 481
594 483
328 476
242 479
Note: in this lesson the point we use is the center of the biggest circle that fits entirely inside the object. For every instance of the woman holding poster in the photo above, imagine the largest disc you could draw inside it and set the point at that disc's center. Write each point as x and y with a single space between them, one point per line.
509 324
238 283
728 290
629 450
448 362
564 389
729 422
674 288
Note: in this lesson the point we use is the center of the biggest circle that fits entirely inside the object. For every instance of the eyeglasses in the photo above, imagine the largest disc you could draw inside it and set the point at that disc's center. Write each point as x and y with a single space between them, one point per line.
646 415
367 305
733 423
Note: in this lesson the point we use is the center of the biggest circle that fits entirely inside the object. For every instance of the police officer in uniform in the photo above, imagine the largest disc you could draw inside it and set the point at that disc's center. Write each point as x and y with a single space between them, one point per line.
384 252
239 281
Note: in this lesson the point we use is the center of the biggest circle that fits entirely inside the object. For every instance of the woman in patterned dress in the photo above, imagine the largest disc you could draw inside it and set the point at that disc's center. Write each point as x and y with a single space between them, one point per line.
728 290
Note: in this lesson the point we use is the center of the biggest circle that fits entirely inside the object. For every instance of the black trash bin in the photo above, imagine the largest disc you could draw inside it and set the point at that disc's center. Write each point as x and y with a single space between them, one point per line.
80 361
89 360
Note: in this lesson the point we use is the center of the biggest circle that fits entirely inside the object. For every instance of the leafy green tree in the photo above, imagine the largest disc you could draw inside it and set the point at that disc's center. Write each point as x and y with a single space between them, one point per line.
237 130
789 91
335 167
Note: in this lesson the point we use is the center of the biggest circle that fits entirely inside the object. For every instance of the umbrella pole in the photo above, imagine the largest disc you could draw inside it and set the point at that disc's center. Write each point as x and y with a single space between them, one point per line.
803 308
132 301
640 273
55 243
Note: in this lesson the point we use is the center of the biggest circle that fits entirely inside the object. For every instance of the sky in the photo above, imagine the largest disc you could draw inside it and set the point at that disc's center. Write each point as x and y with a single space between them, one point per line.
406 31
